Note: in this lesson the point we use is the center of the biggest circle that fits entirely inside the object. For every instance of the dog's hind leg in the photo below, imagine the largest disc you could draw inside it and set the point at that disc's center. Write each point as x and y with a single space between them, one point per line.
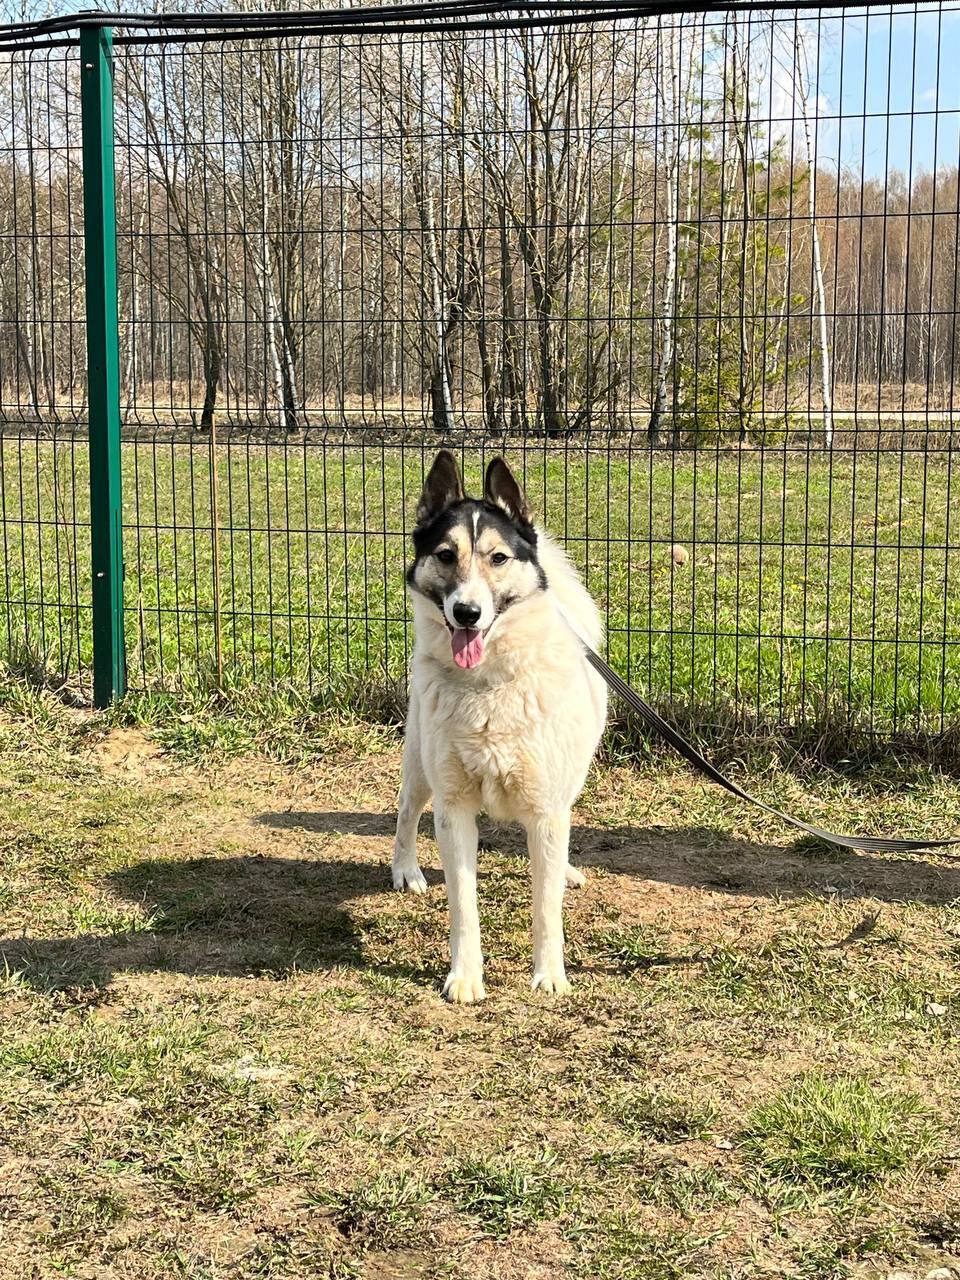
548 839
414 794
574 877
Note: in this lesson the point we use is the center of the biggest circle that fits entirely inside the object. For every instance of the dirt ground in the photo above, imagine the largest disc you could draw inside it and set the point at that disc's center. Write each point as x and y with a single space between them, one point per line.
223 1052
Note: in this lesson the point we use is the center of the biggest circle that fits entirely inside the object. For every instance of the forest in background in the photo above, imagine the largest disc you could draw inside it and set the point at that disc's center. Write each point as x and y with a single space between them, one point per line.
620 226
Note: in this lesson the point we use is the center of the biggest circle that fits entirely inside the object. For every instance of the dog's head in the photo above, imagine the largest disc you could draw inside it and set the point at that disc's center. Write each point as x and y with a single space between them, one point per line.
475 557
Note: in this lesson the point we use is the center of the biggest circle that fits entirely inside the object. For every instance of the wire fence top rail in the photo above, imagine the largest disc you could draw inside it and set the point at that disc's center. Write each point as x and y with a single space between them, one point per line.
441 15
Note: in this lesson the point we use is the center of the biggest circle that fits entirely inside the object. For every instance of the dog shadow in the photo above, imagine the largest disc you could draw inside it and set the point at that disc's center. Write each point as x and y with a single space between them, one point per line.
262 916
694 858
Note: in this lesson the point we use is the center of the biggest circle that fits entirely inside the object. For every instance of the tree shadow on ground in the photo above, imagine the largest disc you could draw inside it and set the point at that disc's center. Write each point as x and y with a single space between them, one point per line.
254 916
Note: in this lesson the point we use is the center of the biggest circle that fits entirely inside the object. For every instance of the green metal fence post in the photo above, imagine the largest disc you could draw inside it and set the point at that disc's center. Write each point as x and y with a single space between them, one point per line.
103 361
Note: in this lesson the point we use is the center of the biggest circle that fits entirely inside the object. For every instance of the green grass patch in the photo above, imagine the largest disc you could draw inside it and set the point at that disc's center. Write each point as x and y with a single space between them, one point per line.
843 1251
508 1192
635 949
130 1057
621 1247
381 1211
817 592
688 1191
884 991
840 1131
662 1116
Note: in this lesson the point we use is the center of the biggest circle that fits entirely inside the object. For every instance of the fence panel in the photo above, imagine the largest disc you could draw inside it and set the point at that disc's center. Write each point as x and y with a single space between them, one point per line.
695 274
45 608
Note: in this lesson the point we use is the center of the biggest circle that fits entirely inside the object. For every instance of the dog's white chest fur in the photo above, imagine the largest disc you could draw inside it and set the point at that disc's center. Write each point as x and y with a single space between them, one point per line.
491 742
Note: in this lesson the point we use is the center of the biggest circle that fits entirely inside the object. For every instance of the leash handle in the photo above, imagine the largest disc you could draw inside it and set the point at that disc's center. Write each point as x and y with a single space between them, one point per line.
651 717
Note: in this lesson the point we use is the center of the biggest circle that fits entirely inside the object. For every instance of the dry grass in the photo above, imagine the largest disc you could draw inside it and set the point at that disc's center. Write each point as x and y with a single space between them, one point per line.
222 1052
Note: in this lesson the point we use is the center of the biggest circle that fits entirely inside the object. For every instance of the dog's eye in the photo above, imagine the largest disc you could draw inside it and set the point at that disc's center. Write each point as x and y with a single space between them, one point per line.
446 556
499 558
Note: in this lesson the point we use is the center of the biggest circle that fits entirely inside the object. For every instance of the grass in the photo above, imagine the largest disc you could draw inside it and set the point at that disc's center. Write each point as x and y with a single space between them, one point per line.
809 586
223 1052
507 1193
662 1116
840 1132
632 1251
382 1211
687 1191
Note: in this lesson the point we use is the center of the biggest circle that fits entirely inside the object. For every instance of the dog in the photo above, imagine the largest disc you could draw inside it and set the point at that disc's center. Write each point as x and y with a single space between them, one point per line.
505 713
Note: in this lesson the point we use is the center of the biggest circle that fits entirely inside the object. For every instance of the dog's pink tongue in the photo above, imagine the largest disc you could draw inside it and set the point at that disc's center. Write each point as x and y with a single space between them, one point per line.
467 646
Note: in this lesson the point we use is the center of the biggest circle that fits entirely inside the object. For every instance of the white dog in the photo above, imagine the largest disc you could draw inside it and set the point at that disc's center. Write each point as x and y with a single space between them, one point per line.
505 713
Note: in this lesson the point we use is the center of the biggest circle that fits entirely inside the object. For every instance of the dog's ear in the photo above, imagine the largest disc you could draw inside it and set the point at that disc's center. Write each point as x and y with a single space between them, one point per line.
500 488
442 488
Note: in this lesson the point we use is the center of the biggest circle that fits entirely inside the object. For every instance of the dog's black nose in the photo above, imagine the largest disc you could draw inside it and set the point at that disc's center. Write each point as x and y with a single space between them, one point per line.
466 614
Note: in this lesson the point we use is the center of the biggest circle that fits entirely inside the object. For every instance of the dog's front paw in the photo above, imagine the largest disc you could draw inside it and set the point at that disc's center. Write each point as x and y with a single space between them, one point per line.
575 879
464 986
409 876
552 981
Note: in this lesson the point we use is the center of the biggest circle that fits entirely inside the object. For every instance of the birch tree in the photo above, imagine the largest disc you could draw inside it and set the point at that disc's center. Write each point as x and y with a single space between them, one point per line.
801 64
670 106
158 133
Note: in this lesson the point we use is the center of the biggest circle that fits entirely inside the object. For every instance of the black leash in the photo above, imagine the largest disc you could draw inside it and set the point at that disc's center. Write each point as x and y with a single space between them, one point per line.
864 844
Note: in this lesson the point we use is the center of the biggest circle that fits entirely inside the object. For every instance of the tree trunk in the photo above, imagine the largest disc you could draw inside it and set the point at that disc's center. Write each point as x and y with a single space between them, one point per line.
130 372
671 151
741 132
441 401
291 401
488 380
510 377
270 336
41 382
825 381
211 379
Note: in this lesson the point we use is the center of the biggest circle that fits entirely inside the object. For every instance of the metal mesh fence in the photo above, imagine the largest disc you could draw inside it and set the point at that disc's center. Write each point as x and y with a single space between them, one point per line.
44 499
694 273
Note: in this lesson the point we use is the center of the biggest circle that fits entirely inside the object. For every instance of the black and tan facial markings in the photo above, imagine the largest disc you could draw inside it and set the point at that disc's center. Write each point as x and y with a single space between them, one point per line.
475 558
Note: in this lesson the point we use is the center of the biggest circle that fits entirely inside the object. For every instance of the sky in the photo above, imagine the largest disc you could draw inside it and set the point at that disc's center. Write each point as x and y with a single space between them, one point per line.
886 87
